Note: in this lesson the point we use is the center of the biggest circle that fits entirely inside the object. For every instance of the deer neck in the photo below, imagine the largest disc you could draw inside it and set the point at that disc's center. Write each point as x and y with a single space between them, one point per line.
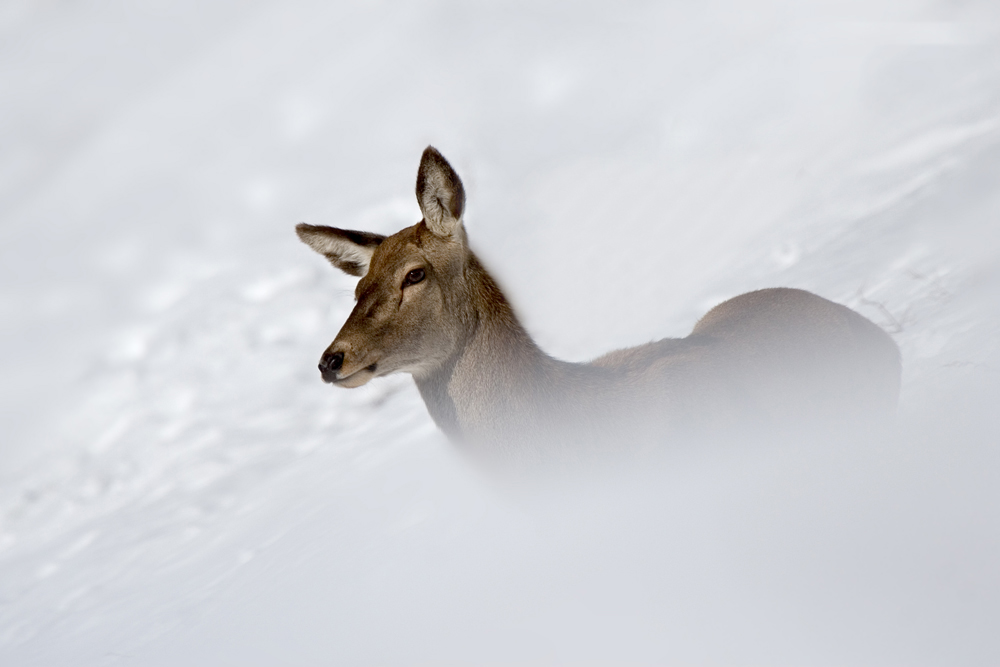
489 384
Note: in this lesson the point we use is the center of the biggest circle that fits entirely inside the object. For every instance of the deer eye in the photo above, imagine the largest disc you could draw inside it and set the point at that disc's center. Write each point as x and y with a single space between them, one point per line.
413 277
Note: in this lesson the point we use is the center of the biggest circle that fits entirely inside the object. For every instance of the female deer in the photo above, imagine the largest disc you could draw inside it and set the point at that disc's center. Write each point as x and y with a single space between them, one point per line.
426 306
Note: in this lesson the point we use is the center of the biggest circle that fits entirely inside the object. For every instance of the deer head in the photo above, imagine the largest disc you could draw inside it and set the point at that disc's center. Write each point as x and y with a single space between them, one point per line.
412 310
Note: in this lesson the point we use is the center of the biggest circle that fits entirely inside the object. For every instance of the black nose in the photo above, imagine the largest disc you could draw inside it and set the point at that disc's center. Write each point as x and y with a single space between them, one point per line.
331 363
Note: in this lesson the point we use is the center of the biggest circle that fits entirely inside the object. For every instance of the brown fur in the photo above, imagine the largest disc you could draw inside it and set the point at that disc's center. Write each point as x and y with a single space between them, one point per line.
755 363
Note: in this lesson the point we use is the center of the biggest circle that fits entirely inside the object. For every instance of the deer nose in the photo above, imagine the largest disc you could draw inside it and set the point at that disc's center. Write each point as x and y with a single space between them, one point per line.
330 364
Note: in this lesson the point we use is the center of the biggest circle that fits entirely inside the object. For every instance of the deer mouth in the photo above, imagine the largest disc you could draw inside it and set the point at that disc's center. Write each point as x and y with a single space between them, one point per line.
355 379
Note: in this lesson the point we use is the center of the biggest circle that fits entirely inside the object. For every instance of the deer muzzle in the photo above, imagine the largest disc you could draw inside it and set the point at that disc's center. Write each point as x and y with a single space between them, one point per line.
332 368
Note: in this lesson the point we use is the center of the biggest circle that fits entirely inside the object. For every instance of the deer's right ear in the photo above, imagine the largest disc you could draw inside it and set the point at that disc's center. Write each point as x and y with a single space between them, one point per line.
349 251
439 193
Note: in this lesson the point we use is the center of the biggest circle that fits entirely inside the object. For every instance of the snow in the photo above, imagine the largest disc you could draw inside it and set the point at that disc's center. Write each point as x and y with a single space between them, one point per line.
177 486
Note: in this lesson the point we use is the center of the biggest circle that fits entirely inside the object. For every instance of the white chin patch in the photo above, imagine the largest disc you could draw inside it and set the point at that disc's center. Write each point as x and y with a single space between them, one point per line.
360 378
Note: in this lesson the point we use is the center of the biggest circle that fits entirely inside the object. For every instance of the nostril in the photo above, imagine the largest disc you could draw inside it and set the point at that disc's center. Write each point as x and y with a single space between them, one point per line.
331 362
336 361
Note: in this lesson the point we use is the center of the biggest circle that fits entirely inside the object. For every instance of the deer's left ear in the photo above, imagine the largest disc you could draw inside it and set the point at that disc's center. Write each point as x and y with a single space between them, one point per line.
439 193
349 251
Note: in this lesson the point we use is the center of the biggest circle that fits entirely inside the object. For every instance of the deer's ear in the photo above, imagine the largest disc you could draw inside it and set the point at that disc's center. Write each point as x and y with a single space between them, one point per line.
439 193
351 252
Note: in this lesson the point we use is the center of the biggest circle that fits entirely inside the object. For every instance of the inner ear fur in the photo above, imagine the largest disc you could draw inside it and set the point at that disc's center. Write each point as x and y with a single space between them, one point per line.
439 193
348 250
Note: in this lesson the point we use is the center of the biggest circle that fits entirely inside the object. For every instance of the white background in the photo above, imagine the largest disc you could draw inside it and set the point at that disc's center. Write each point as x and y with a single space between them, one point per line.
178 487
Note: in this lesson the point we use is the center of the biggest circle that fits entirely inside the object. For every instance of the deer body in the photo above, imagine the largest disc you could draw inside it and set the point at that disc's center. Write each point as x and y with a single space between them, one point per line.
425 305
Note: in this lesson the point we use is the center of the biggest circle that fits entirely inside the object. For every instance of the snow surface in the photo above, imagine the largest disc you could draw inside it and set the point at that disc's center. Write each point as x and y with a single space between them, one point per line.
178 487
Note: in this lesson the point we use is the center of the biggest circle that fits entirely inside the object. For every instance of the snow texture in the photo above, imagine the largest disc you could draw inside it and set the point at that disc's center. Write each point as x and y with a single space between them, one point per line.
177 486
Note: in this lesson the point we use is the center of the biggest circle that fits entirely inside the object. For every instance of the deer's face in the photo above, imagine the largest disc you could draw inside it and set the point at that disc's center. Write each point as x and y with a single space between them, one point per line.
406 318
412 309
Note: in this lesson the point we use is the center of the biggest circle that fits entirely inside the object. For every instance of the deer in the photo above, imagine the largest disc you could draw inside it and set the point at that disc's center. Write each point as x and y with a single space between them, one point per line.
425 305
